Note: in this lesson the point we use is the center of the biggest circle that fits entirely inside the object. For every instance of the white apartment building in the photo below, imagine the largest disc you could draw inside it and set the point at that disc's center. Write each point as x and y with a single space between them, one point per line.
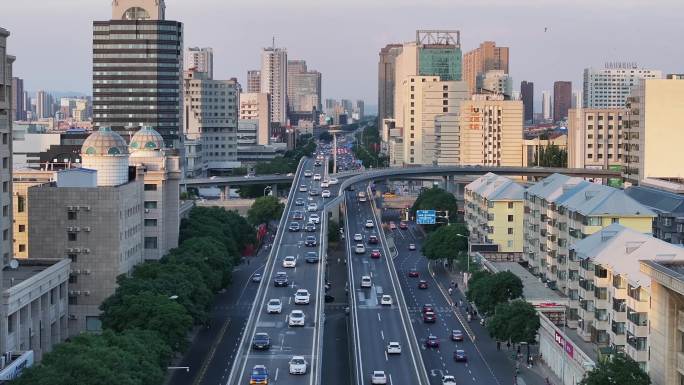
211 116
274 81
609 87
546 105
562 210
595 137
615 295
255 107
495 82
200 60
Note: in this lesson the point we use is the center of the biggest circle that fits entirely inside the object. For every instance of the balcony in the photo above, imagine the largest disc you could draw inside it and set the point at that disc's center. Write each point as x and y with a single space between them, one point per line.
680 362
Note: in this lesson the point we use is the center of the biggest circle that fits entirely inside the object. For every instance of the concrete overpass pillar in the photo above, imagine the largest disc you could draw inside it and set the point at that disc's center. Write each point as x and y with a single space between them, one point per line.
445 182
274 189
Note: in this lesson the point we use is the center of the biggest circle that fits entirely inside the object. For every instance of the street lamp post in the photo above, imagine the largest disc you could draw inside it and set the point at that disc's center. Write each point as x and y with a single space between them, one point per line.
467 274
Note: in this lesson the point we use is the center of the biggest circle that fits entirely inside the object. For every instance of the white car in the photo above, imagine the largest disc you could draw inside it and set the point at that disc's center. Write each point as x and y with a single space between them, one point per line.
302 297
393 348
312 207
366 281
298 365
358 237
386 300
314 218
308 173
379 377
303 188
317 177
274 306
448 380
325 184
333 181
325 194
290 261
360 248
296 318
369 224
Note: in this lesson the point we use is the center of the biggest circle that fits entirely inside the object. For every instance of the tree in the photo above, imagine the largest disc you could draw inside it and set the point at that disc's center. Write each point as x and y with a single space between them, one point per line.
489 290
617 369
264 210
551 156
325 136
333 231
438 199
446 242
516 321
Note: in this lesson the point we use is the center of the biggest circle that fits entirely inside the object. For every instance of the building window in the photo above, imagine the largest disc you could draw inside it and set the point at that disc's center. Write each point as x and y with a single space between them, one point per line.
150 223
150 242
22 228
5 162
150 187
71 215
5 210
73 300
510 205
73 278
22 248
5 234
615 220
510 243
73 258
93 324
21 204
510 230
510 218
150 204
71 237
5 187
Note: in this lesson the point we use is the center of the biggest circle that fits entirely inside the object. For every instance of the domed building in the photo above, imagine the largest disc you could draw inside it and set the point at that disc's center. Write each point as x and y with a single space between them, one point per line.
106 151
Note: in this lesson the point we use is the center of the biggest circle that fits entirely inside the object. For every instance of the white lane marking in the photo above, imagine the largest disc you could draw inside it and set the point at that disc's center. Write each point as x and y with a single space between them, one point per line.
390 377
379 320
276 375
382 334
386 358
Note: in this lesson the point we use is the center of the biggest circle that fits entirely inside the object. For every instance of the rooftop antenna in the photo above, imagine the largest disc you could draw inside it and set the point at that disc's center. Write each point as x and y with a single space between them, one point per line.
273 46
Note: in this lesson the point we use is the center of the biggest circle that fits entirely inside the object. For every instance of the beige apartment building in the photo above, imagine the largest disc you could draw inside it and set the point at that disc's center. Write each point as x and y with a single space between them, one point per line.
595 138
494 207
22 180
562 210
654 136
255 108
491 131
485 58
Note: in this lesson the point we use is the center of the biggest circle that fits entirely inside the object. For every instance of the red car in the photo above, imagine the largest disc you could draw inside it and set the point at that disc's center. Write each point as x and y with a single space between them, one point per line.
372 239
456 335
422 284
428 307
429 317
375 254
432 342
403 225
413 273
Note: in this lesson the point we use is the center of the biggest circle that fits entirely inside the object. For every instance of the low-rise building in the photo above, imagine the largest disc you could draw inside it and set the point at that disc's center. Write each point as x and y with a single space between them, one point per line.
596 137
669 225
494 208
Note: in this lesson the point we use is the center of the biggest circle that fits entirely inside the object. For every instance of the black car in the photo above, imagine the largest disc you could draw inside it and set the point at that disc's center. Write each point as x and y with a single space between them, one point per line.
280 279
261 341
310 241
294 226
312 257
310 227
298 215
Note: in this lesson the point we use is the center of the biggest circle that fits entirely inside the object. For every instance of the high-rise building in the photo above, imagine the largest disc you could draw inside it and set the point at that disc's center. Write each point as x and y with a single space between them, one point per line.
609 87
200 59
546 105
5 149
359 110
653 138
18 110
274 81
254 107
303 87
386 81
595 137
27 105
486 57
576 100
253 81
211 116
139 86
562 100
44 105
527 95
495 82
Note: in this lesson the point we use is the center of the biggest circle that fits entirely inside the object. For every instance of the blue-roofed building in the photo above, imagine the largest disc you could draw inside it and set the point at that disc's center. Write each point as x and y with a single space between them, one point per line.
669 224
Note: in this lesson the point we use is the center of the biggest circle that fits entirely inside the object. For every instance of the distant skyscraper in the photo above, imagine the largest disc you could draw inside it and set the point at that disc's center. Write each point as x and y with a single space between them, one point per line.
44 106
201 59
546 105
609 87
153 70
274 81
360 109
386 79
253 81
486 57
18 110
27 104
495 82
576 100
527 94
303 87
562 99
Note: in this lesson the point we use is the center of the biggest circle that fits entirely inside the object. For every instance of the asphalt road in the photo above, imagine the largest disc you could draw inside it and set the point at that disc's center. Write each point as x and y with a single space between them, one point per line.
287 341
376 325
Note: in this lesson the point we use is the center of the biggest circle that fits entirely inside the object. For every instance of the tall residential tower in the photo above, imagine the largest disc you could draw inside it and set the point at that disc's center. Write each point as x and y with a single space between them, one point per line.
274 81
486 57
201 60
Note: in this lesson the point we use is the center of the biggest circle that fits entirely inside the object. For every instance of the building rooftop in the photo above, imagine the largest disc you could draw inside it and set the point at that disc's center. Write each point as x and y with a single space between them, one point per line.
621 248
496 188
658 200
27 268
591 199
553 186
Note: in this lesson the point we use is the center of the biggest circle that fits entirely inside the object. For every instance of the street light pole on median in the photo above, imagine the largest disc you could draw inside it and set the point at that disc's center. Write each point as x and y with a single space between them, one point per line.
465 281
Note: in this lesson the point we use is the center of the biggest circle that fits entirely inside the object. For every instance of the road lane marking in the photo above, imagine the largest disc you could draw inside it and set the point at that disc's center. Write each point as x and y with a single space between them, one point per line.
382 334
379 320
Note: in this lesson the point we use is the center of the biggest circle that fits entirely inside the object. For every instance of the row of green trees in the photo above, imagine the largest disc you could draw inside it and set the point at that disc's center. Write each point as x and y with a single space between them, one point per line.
367 147
551 156
149 316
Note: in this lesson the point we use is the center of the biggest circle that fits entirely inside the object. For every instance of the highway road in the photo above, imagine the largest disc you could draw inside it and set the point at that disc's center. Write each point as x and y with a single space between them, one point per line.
287 341
376 325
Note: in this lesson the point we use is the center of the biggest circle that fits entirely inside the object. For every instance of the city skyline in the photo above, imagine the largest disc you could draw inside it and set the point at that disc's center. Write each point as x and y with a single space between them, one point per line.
527 28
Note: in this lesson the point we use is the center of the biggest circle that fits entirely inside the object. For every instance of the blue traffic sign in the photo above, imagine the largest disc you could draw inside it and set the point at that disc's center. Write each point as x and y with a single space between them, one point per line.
426 217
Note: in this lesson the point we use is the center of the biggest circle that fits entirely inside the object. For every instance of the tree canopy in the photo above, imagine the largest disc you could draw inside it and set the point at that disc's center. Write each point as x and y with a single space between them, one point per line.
488 290
446 242
438 199
551 156
516 321
264 210
617 369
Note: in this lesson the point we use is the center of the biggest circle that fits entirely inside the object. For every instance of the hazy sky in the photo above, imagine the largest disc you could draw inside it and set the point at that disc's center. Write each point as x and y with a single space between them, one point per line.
341 38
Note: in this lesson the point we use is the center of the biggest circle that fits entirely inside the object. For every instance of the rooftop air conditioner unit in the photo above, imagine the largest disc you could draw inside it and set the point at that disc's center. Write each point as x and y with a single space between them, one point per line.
77 250
86 271
86 250
70 208
72 293
72 316
147 211
70 228
86 292
86 229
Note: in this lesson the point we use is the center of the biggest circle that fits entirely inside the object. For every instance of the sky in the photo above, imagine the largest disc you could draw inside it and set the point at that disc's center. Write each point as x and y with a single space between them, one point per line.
52 39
